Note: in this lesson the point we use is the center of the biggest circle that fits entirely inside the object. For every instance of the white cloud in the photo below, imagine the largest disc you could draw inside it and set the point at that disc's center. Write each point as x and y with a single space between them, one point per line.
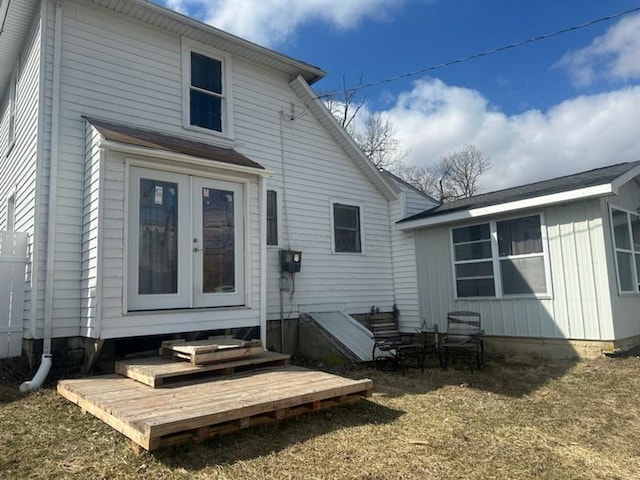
614 56
435 119
270 22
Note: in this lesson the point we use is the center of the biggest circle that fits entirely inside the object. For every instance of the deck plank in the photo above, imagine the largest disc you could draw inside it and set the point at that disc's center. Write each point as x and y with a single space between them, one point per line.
155 417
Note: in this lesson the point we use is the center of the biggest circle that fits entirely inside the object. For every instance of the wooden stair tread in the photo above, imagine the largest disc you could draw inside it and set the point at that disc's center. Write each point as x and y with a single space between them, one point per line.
156 371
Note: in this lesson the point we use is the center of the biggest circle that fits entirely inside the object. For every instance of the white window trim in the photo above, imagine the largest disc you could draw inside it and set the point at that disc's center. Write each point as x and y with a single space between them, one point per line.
349 203
635 275
495 259
189 46
278 218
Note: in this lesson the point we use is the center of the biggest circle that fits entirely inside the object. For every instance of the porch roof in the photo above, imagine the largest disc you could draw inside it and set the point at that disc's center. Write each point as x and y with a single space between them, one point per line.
138 137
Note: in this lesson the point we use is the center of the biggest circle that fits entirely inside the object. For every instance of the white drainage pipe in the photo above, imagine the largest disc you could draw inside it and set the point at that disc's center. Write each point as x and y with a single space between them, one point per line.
39 377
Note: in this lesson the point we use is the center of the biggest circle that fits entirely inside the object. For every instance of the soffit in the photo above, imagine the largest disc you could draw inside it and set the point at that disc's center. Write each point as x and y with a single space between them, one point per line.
15 20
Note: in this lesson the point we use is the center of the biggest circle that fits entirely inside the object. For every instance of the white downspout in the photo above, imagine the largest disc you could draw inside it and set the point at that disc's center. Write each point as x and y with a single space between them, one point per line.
46 361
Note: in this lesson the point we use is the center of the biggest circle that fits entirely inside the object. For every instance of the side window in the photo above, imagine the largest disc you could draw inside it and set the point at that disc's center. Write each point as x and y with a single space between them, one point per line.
346 228
473 262
11 132
272 217
626 240
11 213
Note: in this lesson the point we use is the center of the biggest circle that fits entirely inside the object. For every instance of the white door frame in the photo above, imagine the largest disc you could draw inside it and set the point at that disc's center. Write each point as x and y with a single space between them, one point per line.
190 269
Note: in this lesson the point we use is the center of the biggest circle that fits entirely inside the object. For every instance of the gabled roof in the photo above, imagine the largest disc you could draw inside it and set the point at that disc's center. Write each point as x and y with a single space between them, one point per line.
592 183
147 139
301 88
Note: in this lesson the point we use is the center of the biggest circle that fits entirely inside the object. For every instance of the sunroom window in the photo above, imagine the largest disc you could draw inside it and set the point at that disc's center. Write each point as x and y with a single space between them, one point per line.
626 239
502 258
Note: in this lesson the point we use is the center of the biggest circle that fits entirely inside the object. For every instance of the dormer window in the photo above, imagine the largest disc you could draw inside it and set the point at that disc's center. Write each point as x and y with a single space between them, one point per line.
207 89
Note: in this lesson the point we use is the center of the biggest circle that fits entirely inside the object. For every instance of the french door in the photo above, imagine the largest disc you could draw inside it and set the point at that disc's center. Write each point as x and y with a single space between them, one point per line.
185 241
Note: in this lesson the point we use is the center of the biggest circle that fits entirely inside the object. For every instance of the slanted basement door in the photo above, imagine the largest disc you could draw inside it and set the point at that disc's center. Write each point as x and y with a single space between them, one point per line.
186 241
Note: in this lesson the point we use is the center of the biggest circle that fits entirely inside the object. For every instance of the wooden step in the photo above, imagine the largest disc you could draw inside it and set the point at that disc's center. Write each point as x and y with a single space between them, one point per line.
160 371
214 349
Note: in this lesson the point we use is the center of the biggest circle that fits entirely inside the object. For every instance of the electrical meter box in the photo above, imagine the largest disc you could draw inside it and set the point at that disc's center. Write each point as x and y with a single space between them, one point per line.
290 260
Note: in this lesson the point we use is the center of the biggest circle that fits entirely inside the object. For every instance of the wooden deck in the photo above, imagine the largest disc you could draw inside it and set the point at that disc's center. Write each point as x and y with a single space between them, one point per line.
156 417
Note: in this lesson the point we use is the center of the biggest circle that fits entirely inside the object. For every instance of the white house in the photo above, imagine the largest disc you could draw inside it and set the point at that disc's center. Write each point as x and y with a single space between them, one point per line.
159 165
553 267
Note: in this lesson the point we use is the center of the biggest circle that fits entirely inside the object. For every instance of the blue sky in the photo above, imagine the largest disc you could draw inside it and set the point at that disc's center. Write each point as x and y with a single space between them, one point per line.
549 108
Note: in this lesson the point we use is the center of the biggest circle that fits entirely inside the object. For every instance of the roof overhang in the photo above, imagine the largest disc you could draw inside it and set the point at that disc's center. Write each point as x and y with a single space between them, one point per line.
134 141
387 187
499 209
16 17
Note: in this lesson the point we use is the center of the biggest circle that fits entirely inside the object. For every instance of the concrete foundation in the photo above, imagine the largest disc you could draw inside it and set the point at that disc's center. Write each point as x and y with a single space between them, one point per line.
552 348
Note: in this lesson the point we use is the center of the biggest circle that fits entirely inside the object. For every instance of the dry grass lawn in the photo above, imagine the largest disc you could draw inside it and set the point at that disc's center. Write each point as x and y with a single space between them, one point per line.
512 420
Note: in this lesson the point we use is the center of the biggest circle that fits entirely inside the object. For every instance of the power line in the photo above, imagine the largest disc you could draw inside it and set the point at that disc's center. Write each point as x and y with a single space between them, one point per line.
486 52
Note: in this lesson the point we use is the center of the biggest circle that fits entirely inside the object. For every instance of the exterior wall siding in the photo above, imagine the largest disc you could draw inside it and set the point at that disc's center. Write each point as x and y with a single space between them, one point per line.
124 71
626 307
18 162
579 306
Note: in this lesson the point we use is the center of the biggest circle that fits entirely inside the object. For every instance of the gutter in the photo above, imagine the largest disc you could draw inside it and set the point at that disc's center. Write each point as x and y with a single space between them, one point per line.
46 361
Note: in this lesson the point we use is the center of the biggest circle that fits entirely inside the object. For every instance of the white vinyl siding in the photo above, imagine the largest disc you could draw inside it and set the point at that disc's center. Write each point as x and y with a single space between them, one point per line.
127 72
19 159
581 305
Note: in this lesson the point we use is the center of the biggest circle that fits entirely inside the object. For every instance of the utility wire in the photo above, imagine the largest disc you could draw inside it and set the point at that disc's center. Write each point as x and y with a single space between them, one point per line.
484 54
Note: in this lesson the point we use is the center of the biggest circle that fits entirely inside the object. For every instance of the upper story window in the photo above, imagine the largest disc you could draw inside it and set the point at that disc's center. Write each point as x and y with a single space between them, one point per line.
500 258
626 241
207 89
346 228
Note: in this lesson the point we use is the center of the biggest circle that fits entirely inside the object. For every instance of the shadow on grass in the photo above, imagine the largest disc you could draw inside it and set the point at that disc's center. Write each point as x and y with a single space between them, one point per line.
500 376
260 441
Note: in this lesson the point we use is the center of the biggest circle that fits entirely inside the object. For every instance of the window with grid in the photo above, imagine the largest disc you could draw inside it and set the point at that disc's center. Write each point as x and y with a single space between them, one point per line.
626 240
500 258
346 226
206 92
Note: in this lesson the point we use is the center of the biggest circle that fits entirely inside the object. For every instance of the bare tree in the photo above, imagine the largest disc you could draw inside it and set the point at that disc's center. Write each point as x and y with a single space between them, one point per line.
455 176
374 134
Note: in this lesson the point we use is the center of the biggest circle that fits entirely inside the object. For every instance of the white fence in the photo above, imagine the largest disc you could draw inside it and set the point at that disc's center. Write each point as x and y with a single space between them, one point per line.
13 259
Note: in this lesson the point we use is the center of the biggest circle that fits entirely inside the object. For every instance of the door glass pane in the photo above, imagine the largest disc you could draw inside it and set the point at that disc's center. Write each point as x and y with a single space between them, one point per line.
158 245
218 241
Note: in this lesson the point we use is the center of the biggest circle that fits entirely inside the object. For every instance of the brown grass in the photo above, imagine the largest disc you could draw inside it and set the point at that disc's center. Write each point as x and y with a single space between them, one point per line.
510 421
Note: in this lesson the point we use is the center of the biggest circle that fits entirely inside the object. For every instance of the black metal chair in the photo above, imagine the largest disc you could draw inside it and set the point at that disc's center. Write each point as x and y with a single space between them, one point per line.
389 344
463 337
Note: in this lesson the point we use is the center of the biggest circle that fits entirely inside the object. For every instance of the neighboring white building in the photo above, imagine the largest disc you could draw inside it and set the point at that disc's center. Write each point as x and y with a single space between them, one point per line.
159 165
553 267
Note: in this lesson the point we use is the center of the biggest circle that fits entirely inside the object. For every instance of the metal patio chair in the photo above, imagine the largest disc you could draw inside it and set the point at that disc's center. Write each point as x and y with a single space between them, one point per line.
390 345
463 337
